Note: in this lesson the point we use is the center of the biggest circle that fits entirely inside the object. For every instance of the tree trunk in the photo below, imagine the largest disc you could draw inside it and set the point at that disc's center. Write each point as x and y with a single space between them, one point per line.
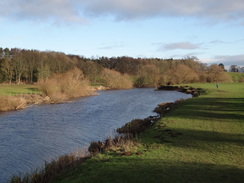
19 79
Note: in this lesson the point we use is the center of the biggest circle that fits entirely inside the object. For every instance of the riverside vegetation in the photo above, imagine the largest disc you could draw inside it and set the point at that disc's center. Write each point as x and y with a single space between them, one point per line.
60 77
200 140
32 66
58 88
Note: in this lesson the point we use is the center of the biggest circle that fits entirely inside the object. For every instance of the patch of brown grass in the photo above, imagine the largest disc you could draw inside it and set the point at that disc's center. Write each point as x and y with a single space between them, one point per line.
119 145
8 103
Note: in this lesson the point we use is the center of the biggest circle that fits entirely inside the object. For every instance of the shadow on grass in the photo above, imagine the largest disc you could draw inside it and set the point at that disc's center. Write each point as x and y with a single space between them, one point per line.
34 89
133 169
212 108
202 140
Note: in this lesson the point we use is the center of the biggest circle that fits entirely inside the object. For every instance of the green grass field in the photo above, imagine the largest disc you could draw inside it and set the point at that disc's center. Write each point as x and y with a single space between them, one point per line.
200 141
18 89
237 77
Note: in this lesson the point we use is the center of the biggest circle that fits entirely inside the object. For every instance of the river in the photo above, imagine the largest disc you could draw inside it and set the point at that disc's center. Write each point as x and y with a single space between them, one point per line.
37 134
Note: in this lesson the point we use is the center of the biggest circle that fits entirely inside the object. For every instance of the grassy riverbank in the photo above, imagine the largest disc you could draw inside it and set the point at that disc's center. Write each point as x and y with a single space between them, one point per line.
15 97
200 141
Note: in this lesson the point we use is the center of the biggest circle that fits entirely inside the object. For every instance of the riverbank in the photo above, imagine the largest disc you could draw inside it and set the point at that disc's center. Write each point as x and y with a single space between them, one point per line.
17 97
199 141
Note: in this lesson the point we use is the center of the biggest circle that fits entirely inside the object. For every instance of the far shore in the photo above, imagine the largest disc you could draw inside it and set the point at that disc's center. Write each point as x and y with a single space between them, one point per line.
21 99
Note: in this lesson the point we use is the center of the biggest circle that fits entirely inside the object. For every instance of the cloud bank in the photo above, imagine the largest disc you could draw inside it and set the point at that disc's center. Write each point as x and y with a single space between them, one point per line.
79 11
231 59
56 11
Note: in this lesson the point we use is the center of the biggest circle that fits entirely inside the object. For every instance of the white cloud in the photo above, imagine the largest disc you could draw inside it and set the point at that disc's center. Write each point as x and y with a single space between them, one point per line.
180 45
80 10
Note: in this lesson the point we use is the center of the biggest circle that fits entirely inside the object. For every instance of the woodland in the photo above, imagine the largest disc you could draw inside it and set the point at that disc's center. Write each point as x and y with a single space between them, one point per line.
33 66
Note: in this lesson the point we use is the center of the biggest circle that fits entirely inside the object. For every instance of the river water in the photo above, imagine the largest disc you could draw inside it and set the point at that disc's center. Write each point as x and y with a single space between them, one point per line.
37 134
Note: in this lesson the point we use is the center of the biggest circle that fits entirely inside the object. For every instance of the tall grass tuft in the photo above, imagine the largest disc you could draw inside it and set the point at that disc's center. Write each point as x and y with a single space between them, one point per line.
119 144
8 103
64 86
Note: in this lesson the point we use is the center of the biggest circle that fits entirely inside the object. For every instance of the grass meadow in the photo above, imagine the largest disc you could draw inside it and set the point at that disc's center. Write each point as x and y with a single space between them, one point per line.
201 141
18 89
237 77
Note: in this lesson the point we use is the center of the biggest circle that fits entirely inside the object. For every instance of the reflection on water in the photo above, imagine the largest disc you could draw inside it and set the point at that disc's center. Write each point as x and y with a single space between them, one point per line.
37 134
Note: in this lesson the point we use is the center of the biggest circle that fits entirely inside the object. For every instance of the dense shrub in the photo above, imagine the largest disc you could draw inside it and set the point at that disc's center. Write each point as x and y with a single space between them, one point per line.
148 76
116 80
68 85
217 74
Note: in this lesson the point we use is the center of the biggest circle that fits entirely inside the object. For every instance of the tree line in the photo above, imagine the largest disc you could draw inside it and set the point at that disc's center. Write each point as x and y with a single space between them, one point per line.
236 68
30 66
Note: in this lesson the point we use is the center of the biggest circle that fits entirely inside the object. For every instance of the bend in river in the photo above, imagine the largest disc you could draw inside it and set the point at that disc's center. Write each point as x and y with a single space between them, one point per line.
37 134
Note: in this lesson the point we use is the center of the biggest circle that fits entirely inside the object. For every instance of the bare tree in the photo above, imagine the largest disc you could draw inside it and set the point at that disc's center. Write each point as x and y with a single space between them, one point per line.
8 68
234 68
19 63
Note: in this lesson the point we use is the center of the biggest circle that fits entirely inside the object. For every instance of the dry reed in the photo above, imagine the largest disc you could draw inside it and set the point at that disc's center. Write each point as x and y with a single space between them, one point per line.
8 103
119 144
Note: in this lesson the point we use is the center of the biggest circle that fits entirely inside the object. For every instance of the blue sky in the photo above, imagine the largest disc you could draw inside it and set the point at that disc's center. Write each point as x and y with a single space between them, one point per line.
212 30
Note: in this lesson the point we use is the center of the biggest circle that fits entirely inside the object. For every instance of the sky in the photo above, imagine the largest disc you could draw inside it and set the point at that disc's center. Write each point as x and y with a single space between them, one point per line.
211 30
